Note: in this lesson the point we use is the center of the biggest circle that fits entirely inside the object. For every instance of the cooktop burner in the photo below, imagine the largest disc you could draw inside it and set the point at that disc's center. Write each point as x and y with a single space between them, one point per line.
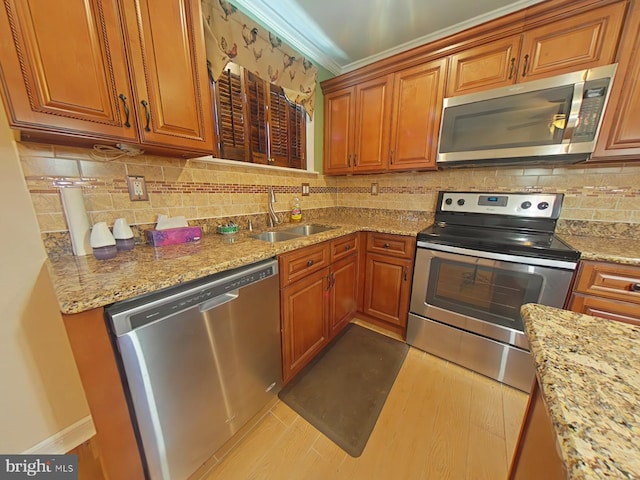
512 223
528 244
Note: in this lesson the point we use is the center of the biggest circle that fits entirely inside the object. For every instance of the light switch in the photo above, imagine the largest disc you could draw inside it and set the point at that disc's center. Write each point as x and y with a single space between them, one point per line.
374 189
305 189
137 188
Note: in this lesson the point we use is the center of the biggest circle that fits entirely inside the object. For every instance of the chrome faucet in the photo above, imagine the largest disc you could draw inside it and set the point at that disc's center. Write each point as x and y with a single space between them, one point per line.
273 218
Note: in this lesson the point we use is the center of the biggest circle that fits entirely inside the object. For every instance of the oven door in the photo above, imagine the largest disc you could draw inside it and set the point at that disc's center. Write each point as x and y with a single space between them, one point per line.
481 295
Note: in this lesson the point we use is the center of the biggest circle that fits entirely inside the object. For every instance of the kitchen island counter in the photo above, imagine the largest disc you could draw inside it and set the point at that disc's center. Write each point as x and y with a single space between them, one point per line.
589 380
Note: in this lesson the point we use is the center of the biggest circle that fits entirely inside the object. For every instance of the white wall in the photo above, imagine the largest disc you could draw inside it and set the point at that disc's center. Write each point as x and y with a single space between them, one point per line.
42 399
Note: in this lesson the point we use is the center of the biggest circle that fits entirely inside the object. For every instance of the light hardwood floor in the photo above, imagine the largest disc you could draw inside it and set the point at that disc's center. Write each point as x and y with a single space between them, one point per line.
440 421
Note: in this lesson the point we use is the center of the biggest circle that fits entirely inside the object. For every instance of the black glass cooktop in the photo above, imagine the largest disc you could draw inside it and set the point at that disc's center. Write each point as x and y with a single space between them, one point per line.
500 240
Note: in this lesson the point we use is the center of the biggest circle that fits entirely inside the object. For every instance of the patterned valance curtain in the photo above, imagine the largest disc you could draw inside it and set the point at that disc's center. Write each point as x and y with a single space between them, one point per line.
232 36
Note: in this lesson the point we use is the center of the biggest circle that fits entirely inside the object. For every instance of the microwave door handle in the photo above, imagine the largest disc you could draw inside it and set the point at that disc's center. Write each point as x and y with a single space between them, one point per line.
574 114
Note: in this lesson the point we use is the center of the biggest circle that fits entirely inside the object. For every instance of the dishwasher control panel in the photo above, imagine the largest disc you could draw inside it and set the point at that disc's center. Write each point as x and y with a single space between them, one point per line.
177 299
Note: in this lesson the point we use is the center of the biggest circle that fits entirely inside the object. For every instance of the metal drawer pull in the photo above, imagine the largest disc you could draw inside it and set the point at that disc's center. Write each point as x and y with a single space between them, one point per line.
126 110
309 263
386 245
513 64
348 247
526 65
147 114
635 287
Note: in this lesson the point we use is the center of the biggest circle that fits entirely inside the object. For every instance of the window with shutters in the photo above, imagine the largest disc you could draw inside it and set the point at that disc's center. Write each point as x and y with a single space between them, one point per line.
257 123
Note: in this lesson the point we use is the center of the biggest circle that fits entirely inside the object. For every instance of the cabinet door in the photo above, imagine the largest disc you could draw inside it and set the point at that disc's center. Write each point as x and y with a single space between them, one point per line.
305 326
373 114
581 41
339 111
173 98
620 132
387 288
605 308
486 66
417 106
64 68
343 298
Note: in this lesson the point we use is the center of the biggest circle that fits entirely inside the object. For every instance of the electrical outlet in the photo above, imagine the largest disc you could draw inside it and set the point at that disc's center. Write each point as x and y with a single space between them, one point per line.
374 189
137 188
305 189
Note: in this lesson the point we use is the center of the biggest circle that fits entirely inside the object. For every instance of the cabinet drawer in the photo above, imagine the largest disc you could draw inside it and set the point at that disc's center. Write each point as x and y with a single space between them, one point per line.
605 308
618 282
393 245
343 247
300 263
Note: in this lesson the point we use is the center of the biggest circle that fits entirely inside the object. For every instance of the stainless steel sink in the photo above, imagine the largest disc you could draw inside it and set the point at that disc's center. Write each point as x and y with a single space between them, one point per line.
308 229
292 233
275 236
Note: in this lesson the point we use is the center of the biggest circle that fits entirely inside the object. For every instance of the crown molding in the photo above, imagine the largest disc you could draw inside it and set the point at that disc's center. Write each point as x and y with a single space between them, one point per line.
301 32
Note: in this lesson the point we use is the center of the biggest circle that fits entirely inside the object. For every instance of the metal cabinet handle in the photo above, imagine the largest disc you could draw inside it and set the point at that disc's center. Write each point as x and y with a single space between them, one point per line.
406 273
309 263
635 287
126 110
328 282
355 160
348 160
512 67
386 245
333 279
526 65
147 114
391 157
347 248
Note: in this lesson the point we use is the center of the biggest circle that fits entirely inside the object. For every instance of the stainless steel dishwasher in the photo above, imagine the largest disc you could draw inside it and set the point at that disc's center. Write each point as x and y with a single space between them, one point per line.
198 361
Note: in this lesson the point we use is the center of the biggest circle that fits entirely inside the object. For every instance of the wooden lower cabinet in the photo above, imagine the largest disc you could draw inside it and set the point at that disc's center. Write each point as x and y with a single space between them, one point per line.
115 439
607 290
387 288
305 321
343 293
387 280
318 298
536 456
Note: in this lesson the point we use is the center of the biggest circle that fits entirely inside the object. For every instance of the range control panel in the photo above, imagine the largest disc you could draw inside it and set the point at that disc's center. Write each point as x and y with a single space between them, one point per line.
528 205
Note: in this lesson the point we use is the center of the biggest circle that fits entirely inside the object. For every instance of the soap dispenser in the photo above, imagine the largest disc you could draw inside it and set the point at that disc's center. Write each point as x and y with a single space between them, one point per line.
296 211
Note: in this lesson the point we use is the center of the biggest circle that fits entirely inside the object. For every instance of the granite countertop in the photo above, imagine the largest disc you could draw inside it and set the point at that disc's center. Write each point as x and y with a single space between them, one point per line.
83 283
616 250
588 373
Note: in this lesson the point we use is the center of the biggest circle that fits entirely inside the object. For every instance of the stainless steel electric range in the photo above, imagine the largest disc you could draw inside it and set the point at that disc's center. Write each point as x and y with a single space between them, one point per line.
486 255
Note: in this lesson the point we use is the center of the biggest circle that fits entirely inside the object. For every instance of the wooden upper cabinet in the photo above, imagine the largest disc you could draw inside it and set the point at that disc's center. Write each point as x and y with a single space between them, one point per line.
619 136
576 42
418 94
64 68
483 67
580 41
170 73
356 125
108 70
373 113
339 111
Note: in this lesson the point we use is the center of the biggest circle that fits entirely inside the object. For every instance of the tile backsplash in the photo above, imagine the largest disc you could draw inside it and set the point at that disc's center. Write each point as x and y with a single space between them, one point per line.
200 190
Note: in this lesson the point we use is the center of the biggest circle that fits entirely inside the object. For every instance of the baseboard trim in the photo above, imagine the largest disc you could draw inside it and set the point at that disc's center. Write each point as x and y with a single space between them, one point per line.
65 440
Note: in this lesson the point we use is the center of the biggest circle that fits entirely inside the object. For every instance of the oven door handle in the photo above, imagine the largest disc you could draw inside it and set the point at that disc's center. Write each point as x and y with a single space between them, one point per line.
543 262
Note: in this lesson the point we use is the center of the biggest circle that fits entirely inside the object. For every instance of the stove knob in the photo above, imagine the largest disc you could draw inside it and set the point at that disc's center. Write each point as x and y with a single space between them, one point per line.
525 205
448 201
543 205
461 202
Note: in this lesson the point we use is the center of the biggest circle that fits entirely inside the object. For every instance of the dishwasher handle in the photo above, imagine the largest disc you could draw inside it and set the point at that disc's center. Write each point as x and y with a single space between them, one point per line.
221 300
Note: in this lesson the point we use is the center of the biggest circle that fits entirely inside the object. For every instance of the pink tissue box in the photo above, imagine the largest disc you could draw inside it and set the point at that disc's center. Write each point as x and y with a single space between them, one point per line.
172 236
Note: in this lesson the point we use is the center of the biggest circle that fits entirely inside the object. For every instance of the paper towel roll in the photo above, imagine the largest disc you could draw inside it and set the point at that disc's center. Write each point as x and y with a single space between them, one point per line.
77 219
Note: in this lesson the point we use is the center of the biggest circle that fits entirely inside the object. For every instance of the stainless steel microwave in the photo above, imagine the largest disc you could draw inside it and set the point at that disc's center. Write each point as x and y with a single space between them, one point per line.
553 120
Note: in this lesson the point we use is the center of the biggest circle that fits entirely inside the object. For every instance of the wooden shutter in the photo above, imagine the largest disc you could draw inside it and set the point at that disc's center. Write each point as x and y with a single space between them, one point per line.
297 136
257 100
231 117
278 127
